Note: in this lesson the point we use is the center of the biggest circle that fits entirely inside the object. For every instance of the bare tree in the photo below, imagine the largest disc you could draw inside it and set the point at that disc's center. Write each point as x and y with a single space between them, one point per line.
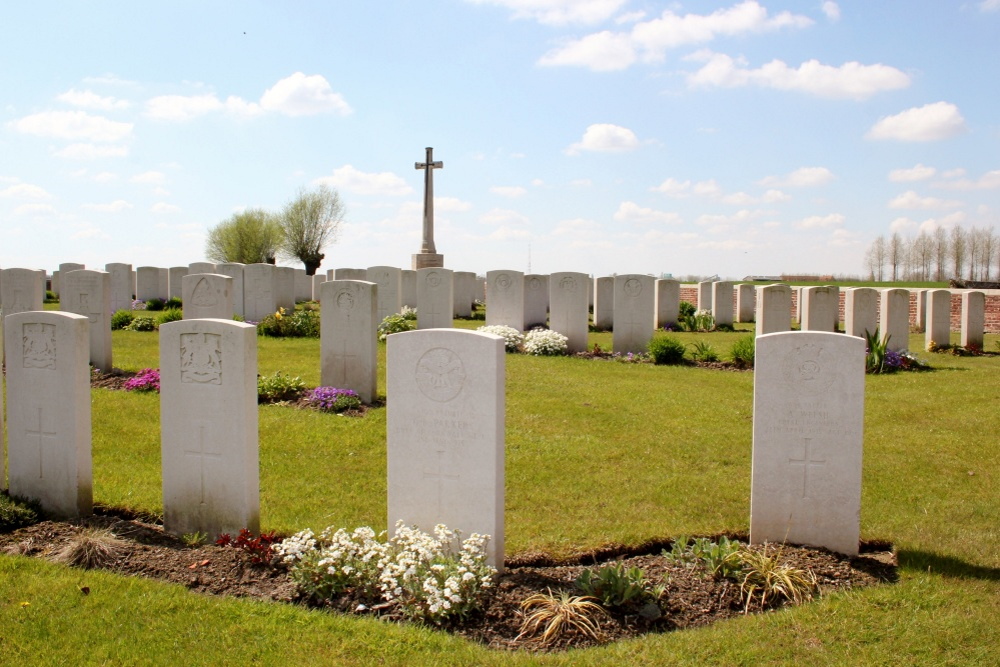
972 252
986 246
941 248
309 223
875 258
896 252
957 241
922 256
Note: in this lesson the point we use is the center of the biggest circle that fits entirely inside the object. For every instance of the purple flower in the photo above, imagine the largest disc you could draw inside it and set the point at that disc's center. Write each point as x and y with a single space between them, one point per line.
332 399
148 379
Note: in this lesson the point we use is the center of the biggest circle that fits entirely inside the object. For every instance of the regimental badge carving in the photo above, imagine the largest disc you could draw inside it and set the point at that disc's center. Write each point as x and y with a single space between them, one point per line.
534 284
433 279
203 296
633 286
806 367
345 300
502 282
440 374
39 346
568 284
201 358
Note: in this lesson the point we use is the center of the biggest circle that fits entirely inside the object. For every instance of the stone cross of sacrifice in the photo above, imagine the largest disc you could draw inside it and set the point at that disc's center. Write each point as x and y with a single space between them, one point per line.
427 245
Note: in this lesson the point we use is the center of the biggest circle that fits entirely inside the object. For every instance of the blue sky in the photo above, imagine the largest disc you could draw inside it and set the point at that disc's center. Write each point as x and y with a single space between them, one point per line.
602 136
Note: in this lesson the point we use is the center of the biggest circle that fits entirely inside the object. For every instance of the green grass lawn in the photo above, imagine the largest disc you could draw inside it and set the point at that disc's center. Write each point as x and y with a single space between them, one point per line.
597 452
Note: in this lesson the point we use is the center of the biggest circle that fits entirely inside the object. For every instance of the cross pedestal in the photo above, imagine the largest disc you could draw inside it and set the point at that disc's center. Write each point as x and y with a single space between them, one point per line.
428 260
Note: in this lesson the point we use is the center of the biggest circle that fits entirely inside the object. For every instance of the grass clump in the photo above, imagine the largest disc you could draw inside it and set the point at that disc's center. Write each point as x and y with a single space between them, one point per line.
169 315
666 350
743 350
766 580
17 512
553 616
702 351
279 387
90 548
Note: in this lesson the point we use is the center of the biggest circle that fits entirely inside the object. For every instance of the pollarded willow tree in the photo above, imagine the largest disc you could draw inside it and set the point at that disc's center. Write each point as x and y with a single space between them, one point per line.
309 223
251 237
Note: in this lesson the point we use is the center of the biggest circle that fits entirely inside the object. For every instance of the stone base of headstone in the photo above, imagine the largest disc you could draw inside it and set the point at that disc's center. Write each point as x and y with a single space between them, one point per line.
427 260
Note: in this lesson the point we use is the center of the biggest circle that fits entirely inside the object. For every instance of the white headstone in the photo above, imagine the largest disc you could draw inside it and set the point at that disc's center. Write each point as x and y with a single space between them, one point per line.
505 298
207 296
208 427
435 298
390 289
668 302
88 293
861 311
774 309
348 336
66 267
921 310
635 312
260 297
235 271
445 427
746 294
163 284
21 290
175 288
347 274
408 282
705 295
121 285
938 317
147 283
569 307
317 280
808 425
722 302
465 287
973 319
200 267
604 303
536 300
303 286
818 309
894 319
48 410
284 284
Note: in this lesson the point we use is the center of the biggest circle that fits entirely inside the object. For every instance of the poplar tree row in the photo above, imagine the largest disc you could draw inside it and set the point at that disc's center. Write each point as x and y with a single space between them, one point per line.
944 254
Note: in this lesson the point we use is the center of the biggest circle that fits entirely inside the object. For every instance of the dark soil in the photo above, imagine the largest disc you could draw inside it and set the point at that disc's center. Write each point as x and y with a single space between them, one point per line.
693 598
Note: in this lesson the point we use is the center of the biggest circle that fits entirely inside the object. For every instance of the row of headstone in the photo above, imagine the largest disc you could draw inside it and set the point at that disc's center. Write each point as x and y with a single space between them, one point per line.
445 425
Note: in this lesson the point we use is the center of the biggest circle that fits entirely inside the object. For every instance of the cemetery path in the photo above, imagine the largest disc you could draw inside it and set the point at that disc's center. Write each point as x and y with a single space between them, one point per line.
693 598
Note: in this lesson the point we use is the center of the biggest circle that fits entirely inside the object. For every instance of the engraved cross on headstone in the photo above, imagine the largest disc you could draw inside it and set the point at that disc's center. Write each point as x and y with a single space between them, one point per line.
440 477
92 311
344 358
201 454
41 434
806 462
427 246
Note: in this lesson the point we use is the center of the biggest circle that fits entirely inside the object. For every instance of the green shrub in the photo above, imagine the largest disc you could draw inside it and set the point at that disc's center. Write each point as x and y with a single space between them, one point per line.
169 315
666 350
298 324
305 323
702 351
173 302
685 309
875 352
278 387
701 320
617 585
121 319
17 512
394 324
141 323
409 313
51 297
743 350
155 304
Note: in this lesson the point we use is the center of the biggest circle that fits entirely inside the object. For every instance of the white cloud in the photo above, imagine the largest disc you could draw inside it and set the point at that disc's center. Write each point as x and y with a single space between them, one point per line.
88 99
499 217
90 232
24 191
706 188
510 191
35 210
744 199
988 181
820 221
506 233
301 95
673 188
851 80
72 125
831 10
720 220
911 200
150 178
449 205
631 212
605 138
575 226
931 122
648 41
918 172
989 6
353 180
116 206
163 207
559 12
903 225
181 107
800 178
91 152
104 177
